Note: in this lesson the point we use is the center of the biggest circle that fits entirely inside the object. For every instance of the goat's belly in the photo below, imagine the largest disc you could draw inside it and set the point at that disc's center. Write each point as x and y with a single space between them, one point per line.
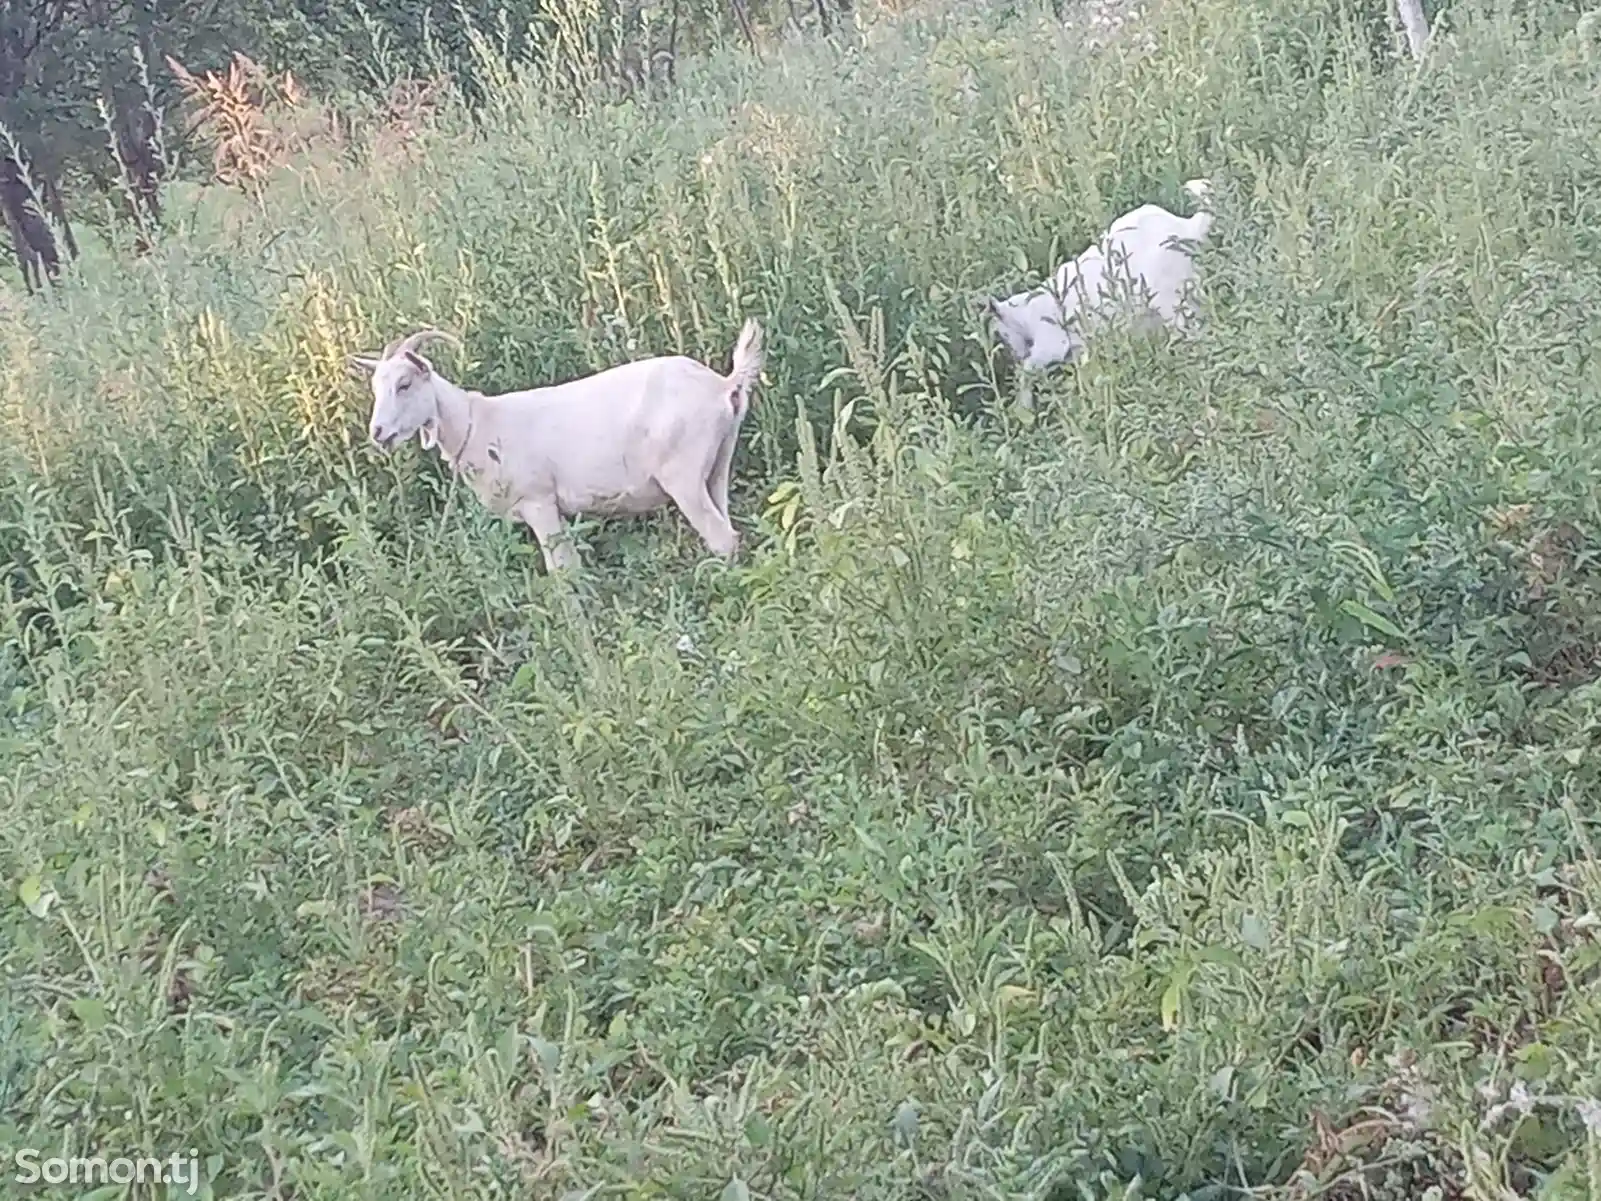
630 502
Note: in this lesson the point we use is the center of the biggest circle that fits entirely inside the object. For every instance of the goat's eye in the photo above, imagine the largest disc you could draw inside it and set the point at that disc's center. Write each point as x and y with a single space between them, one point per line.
402 385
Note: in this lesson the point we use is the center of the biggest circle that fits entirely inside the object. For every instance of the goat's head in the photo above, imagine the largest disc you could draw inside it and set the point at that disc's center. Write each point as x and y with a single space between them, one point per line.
1032 327
403 391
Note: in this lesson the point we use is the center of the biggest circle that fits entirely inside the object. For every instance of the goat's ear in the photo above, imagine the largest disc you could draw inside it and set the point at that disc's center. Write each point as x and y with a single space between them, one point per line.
420 363
359 366
428 435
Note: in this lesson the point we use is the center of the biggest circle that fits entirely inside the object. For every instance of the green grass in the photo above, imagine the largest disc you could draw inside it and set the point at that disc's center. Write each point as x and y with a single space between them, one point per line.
1110 801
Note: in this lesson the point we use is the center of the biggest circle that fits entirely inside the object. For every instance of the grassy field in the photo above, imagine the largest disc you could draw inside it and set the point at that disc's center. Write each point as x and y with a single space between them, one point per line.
1185 789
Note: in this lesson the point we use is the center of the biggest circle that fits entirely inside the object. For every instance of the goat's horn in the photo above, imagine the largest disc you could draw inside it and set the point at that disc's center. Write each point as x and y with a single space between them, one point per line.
412 341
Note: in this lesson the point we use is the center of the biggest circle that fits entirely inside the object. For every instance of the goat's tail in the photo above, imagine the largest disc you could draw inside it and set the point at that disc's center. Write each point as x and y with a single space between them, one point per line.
749 356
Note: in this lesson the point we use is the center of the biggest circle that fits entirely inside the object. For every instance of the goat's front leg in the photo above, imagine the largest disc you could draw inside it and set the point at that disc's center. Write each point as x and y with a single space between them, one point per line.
543 517
1025 388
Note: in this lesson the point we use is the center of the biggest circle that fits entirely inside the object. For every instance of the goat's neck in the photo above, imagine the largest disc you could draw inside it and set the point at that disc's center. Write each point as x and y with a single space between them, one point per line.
456 414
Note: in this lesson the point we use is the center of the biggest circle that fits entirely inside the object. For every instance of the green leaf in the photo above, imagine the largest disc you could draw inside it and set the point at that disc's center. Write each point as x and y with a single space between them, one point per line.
735 1190
1173 995
1535 1061
509 1049
758 1130
1492 920
1373 620
35 899
1009 996
1226 956
91 1011
547 1053
1568 1182
867 840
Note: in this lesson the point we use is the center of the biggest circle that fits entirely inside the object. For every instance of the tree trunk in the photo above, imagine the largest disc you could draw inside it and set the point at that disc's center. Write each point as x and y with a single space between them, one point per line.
58 214
133 134
31 238
139 154
672 46
20 247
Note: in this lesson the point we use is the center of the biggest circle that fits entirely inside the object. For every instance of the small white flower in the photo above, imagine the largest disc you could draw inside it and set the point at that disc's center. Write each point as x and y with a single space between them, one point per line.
1519 1098
686 645
1518 1102
1417 1108
1590 1115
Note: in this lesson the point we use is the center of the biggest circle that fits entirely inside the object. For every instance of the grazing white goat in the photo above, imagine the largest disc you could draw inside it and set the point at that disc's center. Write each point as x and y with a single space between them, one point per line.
624 441
1138 267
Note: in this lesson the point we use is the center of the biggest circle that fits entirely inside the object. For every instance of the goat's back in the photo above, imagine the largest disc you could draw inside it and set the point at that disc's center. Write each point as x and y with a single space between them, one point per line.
615 385
1155 224
599 441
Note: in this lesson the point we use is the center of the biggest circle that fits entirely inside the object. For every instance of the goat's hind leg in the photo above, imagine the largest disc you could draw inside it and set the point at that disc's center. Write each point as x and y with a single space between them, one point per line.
689 492
717 481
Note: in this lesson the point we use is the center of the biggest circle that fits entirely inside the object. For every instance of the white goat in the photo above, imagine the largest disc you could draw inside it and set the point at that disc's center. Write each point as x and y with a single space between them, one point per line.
1138 267
623 441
